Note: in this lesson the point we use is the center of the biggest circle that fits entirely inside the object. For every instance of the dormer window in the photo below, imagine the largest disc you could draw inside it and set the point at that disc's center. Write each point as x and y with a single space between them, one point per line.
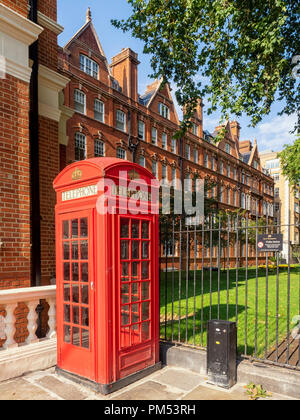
164 111
89 66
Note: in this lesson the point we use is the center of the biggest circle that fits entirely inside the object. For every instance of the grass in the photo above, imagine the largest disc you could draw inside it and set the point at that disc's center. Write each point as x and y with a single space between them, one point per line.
187 309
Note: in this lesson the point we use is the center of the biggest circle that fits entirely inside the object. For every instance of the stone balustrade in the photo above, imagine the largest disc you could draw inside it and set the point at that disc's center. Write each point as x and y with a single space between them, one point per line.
31 297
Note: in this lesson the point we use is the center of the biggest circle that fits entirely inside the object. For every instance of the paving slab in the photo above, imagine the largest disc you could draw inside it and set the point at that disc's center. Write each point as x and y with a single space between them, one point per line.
149 390
179 379
64 390
20 390
202 393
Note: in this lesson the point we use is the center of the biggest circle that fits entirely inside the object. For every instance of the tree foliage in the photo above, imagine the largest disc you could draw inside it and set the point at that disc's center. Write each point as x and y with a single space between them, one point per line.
290 162
239 54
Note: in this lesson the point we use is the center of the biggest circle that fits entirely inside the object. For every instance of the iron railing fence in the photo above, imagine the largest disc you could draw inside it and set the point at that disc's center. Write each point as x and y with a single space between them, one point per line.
216 271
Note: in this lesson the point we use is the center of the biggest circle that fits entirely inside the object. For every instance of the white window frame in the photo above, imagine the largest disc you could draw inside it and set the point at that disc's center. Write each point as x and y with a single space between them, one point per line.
79 101
173 177
80 145
142 161
228 148
187 152
196 156
141 130
173 145
121 153
228 171
273 164
154 136
99 143
154 168
212 163
205 160
121 120
99 108
164 141
89 66
195 129
221 168
164 173
164 110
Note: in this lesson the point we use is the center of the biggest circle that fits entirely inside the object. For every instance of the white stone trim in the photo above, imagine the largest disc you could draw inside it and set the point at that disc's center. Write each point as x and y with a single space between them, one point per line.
25 294
52 79
17 70
16 34
50 84
38 356
48 23
66 114
18 27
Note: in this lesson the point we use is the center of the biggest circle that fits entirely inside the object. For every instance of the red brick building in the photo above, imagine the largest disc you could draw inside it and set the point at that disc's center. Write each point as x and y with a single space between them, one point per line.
112 119
63 104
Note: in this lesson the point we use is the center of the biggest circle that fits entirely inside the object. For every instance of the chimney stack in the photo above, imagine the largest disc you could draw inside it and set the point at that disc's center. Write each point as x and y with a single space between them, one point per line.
125 70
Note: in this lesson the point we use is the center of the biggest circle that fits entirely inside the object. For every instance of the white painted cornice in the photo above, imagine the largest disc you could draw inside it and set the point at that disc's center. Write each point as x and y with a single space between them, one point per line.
16 35
50 84
51 79
18 27
50 24
17 70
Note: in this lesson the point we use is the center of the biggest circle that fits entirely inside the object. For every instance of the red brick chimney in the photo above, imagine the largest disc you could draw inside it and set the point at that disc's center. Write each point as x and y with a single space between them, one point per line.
235 130
125 70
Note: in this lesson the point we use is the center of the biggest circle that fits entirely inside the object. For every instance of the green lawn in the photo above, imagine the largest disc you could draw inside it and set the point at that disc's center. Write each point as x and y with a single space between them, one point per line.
185 305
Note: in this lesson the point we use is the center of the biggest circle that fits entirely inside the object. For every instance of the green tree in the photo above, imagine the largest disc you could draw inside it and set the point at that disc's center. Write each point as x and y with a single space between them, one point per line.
290 162
239 55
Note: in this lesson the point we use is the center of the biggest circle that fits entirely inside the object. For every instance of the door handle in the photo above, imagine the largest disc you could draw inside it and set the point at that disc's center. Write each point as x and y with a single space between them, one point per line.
92 285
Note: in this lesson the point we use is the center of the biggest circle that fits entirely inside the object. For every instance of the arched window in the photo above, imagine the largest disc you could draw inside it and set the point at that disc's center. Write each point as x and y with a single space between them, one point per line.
89 66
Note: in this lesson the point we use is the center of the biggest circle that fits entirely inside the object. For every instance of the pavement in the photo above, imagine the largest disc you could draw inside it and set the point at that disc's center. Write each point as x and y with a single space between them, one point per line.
168 384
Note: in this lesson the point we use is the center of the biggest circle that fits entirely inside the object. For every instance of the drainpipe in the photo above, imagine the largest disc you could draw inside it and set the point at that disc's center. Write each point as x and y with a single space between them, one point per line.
132 146
34 158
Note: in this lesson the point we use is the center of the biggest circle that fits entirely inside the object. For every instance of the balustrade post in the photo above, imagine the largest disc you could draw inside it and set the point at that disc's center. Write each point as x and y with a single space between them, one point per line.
52 318
10 326
32 321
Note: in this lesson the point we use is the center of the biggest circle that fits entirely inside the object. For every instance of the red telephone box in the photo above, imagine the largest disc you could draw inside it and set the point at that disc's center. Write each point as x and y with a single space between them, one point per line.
107 273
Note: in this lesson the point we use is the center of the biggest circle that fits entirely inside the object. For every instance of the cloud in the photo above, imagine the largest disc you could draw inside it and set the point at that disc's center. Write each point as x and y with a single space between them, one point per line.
275 133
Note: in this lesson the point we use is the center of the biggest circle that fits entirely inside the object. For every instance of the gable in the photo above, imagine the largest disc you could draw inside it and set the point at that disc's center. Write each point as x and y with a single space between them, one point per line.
88 37
161 95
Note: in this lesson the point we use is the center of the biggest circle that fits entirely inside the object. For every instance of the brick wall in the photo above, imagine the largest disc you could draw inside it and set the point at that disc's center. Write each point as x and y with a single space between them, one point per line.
48 8
19 6
14 184
49 169
48 50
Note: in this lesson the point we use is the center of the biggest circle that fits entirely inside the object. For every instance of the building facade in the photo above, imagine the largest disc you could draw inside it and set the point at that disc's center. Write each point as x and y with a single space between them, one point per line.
287 202
111 118
30 120
59 105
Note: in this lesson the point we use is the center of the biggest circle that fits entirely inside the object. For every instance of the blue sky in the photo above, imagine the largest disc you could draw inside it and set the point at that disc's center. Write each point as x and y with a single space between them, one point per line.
272 133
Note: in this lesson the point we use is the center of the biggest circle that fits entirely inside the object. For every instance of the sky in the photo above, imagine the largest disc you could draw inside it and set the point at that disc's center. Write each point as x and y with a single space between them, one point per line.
272 133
